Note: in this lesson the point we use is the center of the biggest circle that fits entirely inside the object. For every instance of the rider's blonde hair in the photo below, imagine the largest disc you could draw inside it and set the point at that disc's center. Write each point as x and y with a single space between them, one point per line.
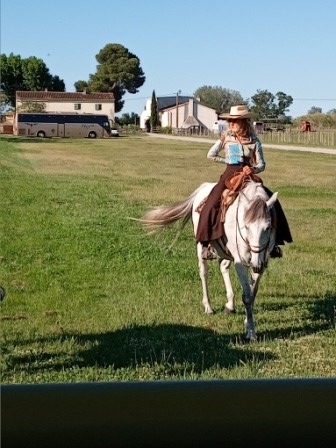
245 127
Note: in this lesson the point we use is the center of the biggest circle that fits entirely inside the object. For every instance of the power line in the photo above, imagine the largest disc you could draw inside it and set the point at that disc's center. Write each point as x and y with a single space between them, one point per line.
314 99
157 96
173 94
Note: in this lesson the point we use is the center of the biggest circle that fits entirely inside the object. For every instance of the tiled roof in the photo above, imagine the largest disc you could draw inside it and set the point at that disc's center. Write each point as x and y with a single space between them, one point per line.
81 97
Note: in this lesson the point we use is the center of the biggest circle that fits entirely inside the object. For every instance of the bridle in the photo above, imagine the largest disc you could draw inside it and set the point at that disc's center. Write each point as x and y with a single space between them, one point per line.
256 250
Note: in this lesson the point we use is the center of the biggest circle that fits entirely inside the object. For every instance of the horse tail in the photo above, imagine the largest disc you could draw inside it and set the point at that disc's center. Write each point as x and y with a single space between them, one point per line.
163 215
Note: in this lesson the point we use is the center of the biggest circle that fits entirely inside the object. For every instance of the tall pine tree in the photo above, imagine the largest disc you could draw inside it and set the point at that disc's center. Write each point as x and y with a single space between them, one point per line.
154 118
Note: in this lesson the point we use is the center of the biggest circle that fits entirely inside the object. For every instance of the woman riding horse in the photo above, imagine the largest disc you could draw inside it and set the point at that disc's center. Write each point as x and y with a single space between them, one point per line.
242 153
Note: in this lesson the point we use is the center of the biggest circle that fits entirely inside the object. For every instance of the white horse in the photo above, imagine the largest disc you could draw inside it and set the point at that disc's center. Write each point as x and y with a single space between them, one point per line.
250 235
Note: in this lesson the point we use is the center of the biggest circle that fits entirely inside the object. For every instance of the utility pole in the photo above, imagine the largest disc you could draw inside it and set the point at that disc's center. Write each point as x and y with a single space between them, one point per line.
177 97
177 94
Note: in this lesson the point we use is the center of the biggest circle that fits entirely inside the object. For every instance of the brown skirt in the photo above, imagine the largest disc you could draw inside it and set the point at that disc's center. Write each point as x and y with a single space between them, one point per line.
210 226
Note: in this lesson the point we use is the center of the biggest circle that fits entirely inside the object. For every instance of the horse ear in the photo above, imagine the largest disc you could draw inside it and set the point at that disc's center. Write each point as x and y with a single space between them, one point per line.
272 199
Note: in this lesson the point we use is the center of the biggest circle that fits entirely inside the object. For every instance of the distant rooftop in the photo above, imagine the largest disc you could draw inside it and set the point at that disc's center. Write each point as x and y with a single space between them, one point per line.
164 102
46 95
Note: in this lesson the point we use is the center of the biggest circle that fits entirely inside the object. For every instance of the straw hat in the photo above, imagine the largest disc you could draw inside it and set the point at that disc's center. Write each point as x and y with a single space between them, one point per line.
240 111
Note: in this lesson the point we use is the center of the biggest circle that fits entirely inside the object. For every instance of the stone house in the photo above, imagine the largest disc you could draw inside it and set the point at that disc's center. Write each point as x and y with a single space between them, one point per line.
68 102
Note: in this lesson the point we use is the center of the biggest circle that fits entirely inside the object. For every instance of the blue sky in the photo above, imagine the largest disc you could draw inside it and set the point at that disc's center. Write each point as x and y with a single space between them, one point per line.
245 45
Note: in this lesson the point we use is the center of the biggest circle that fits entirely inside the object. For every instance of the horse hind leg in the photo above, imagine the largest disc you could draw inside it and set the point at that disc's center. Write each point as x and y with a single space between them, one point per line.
204 273
224 266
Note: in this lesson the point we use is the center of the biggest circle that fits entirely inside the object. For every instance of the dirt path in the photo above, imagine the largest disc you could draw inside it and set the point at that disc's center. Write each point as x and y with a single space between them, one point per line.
285 147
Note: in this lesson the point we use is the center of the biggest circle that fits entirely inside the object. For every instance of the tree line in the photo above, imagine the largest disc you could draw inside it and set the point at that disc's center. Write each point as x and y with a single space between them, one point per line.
119 71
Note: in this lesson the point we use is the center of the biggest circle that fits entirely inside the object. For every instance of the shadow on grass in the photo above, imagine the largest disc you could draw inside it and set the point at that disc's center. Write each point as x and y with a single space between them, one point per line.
198 348
168 349
321 317
172 348
21 139
33 139
324 310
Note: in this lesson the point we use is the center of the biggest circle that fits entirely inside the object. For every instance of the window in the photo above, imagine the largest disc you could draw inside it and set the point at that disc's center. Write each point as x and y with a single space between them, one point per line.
98 107
77 106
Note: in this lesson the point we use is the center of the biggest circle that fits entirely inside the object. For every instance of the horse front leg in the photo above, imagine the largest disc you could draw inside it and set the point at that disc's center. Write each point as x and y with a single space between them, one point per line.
203 273
248 299
224 266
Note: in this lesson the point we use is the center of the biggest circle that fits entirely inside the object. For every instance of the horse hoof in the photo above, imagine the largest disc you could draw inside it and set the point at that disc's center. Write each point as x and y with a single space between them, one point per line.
2 293
229 311
251 337
209 311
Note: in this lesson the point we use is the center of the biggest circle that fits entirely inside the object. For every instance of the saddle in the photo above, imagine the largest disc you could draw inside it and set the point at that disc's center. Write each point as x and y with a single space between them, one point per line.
234 184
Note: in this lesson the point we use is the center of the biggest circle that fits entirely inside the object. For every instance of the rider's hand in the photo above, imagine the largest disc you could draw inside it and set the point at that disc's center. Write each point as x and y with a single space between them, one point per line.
247 170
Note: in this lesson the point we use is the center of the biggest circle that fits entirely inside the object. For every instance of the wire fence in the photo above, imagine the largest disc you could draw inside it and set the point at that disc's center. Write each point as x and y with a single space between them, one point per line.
326 138
321 138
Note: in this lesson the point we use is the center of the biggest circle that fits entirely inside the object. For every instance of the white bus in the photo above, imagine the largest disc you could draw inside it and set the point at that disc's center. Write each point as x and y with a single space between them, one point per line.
62 125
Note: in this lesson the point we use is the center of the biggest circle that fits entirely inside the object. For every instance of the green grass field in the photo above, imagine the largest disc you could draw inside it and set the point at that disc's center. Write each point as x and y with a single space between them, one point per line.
90 297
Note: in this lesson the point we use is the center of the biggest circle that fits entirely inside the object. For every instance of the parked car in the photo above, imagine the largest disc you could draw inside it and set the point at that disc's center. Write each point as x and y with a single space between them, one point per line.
114 133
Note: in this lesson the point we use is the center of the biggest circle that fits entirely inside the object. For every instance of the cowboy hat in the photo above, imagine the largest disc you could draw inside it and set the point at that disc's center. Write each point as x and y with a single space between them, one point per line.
240 111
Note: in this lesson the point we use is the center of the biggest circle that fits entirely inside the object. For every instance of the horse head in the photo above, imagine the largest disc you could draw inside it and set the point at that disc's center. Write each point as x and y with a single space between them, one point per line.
258 231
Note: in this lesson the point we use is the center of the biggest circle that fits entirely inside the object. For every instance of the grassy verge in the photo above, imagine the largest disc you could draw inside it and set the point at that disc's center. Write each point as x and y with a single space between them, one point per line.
90 297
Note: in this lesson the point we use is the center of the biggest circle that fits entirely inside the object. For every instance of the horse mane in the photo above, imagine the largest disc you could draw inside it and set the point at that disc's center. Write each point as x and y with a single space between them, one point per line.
256 211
